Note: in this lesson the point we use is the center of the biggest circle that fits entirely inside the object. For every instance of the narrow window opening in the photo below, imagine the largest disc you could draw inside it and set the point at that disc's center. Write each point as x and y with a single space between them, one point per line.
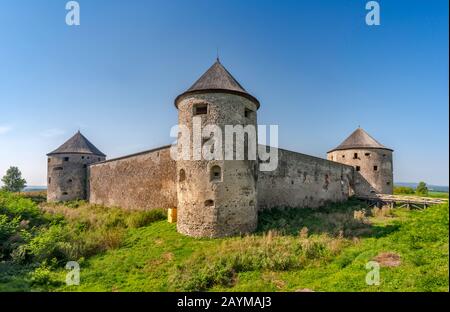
66 158
367 154
375 168
216 173
388 183
64 193
248 113
48 160
69 181
200 109
49 180
358 168
57 168
209 203
84 166
82 157
343 156
355 156
182 176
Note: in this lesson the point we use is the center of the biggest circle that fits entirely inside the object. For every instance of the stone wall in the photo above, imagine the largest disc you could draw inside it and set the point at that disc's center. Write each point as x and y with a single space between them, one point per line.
141 181
303 181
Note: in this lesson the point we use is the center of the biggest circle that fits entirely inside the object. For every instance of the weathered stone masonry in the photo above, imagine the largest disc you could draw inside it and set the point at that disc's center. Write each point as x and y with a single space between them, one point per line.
142 181
303 181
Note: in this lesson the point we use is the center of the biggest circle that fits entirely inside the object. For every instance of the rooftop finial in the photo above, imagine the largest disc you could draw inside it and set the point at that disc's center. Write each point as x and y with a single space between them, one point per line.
217 55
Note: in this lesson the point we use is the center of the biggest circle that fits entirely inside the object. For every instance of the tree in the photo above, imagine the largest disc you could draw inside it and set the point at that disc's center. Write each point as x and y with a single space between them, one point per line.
422 188
13 180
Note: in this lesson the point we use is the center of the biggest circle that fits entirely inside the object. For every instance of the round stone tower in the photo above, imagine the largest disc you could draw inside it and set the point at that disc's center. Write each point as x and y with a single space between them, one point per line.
216 197
67 170
372 162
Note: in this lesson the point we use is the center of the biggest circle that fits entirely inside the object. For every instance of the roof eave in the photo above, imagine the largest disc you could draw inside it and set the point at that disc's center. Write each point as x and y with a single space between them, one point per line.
359 147
78 153
243 94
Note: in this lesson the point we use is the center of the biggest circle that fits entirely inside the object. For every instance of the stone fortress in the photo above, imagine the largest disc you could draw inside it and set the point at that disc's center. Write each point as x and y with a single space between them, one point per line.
216 198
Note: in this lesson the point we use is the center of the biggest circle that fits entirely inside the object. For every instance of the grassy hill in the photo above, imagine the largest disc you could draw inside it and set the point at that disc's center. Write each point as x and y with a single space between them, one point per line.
324 249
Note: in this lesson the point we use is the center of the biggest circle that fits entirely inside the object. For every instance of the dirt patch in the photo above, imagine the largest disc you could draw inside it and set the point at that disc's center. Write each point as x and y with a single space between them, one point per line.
168 256
388 259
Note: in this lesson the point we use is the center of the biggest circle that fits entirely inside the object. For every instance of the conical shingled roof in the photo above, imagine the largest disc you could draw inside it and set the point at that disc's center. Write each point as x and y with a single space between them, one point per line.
78 144
359 139
217 79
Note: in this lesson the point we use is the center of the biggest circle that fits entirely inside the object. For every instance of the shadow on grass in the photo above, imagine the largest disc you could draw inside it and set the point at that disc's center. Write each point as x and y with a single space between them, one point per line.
346 219
14 277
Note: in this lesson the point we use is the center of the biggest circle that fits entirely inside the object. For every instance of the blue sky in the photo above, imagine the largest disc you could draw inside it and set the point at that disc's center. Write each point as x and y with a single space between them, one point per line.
318 70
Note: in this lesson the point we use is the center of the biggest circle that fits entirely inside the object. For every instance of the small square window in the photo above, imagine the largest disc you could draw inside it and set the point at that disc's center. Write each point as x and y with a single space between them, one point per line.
66 158
367 154
358 168
248 113
375 168
388 183
200 109
216 173
355 156
343 156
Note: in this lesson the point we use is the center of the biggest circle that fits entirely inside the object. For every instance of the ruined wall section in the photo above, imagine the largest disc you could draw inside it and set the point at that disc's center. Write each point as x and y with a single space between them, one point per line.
141 181
304 181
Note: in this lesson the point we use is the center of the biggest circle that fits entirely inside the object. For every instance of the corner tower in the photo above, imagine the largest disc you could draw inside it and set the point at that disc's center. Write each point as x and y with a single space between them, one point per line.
67 169
372 162
216 197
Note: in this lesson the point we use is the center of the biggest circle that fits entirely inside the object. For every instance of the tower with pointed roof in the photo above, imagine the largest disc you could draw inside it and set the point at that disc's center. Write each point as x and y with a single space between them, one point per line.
371 160
68 166
216 197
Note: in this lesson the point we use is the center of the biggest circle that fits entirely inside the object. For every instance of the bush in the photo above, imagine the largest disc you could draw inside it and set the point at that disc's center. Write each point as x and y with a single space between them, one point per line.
403 190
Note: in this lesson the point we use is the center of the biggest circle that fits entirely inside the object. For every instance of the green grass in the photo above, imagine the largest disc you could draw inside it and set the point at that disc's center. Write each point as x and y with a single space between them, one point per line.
438 194
322 249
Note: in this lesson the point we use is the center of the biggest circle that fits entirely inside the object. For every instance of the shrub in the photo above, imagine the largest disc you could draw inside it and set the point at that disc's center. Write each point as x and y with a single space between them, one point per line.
42 276
403 190
49 243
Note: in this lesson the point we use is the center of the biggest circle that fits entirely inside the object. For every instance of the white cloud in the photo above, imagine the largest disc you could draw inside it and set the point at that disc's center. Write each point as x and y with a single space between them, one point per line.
50 133
4 129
